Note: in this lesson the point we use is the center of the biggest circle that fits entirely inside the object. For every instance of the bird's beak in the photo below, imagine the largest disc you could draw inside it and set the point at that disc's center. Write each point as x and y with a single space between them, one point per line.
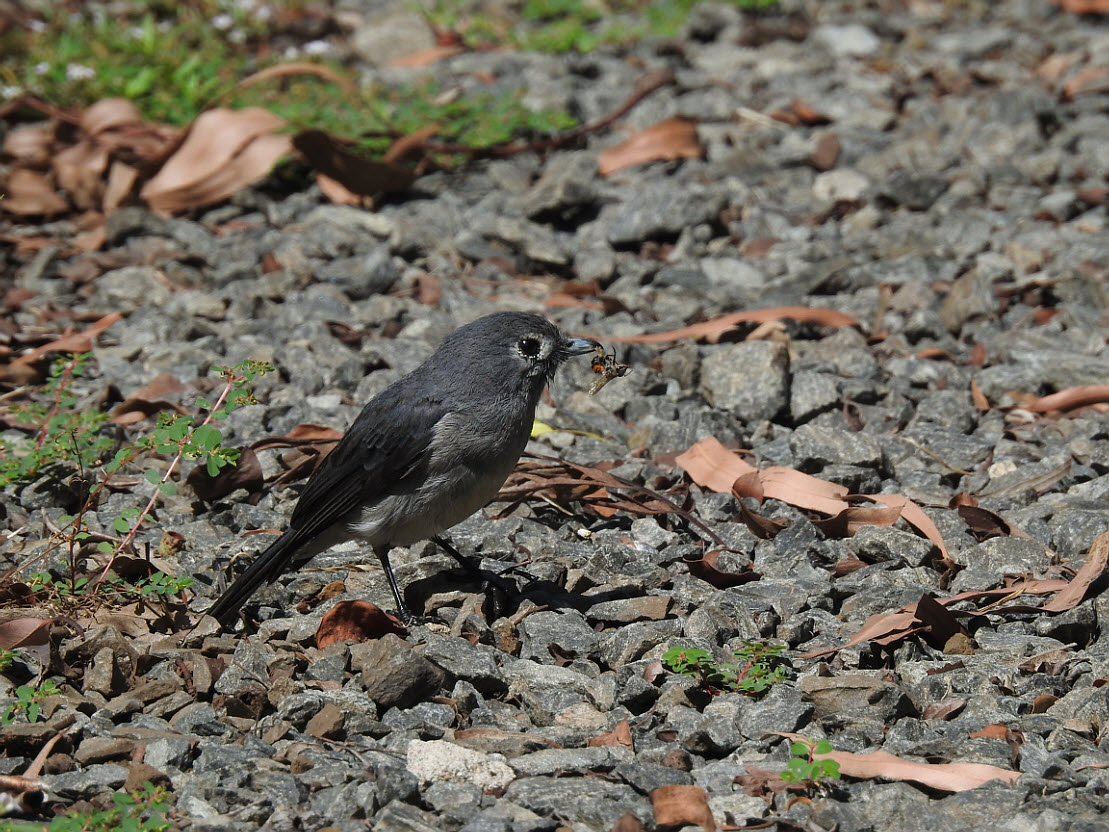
578 346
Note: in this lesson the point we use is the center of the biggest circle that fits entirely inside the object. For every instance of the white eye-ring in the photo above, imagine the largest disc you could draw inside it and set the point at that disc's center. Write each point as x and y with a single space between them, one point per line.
529 346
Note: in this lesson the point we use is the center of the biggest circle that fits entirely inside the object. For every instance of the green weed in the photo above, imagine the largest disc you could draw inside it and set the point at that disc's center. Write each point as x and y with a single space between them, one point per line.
27 701
802 769
175 437
755 671
145 810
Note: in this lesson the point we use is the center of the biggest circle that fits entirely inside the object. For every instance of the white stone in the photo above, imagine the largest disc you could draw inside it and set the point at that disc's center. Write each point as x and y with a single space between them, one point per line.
442 761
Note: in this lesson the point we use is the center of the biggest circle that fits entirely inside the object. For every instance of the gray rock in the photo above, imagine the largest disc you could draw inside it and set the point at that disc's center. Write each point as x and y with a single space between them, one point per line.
912 191
815 447
751 380
656 211
393 674
811 394
852 39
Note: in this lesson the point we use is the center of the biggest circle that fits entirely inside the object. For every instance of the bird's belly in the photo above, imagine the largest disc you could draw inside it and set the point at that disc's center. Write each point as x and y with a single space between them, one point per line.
441 502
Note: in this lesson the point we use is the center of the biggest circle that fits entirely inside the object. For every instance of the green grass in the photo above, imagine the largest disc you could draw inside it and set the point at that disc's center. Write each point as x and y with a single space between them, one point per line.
173 60
558 26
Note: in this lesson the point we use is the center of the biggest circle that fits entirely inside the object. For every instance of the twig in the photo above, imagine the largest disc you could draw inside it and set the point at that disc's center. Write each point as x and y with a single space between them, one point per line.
645 87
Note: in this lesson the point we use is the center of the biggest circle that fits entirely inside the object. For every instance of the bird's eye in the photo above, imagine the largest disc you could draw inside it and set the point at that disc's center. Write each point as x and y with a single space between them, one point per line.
528 347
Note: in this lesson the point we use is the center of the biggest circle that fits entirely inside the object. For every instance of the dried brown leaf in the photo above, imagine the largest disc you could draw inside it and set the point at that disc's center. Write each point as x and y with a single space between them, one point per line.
1084 6
109 114
678 806
75 342
356 621
948 777
292 68
245 474
337 192
705 568
620 735
29 145
359 175
914 515
947 709
121 181
223 151
30 193
425 57
1091 570
149 401
1070 398
1093 80
803 490
712 466
22 632
672 138
853 518
717 327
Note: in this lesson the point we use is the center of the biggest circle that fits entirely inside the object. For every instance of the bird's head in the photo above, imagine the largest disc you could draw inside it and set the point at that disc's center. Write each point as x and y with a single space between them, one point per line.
515 346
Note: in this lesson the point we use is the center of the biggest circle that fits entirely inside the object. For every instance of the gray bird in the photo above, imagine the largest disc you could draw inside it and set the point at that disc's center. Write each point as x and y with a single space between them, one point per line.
427 452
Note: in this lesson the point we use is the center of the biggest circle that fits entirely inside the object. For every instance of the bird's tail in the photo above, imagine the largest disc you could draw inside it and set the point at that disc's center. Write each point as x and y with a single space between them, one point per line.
264 569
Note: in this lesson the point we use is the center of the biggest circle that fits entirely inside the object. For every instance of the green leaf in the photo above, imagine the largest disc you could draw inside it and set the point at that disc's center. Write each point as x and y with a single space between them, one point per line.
152 476
207 437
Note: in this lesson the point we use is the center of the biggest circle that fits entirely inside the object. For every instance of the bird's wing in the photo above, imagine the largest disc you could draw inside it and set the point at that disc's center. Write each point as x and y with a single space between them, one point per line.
389 439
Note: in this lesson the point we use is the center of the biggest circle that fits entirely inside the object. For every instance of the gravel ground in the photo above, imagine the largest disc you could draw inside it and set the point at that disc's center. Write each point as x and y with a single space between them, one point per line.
944 185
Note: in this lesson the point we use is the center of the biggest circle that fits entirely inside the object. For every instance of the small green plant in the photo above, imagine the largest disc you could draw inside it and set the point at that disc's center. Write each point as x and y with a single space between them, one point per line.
559 26
27 702
175 436
66 433
756 670
804 769
7 657
144 810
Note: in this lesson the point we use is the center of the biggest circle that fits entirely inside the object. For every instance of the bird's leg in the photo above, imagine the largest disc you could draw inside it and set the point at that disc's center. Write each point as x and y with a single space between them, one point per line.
489 581
445 544
405 616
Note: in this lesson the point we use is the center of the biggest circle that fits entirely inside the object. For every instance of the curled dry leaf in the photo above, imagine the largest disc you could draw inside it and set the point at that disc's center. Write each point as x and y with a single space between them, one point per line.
1084 6
292 68
109 114
79 171
72 341
1093 80
29 144
712 330
30 193
1096 561
711 465
1071 398
948 777
621 735
22 632
223 151
356 621
246 473
678 806
673 138
705 568
425 57
363 177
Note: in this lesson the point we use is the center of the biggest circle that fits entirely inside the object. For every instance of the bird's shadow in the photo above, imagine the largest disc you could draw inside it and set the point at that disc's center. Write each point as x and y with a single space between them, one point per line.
504 595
